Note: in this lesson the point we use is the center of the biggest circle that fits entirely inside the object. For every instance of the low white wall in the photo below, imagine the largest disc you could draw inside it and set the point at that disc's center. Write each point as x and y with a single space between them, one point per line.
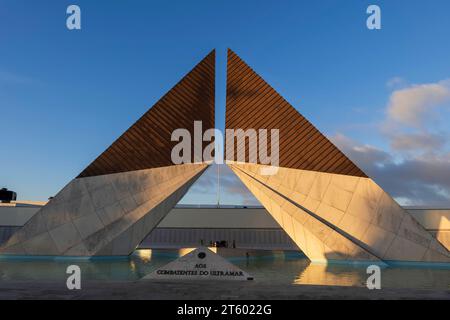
432 219
437 221
14 216
255 218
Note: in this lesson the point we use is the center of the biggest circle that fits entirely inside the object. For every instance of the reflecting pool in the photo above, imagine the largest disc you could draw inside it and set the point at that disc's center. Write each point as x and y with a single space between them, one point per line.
282 268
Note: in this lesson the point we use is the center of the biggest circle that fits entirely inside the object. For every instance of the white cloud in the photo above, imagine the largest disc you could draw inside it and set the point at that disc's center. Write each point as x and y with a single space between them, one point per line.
416 167
413 105
412 181
395 82
364 155
423 141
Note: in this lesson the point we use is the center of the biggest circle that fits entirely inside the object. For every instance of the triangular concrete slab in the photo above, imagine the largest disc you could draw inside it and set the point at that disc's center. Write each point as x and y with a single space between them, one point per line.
200 264
253 104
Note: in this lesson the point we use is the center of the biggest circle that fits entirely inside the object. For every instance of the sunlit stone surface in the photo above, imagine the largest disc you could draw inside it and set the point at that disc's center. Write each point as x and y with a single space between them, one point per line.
104 215
339 217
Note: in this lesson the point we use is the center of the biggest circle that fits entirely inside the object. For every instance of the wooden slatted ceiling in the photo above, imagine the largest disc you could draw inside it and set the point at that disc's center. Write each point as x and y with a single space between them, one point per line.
254 104
147 143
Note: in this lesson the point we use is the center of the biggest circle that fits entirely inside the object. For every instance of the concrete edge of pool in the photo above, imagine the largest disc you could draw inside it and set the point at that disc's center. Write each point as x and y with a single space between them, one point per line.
207 290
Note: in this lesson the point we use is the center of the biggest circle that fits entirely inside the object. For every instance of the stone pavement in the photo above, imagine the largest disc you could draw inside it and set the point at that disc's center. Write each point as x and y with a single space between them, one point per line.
202 290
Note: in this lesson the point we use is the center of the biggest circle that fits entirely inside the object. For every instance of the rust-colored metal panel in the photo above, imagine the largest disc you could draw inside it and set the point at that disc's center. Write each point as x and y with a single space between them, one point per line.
254 104
147 143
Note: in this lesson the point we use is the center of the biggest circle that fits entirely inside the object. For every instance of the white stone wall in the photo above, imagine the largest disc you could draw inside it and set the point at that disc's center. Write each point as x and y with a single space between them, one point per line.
16 216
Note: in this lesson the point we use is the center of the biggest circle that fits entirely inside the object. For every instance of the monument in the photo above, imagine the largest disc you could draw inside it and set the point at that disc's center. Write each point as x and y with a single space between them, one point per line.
200 264
329 207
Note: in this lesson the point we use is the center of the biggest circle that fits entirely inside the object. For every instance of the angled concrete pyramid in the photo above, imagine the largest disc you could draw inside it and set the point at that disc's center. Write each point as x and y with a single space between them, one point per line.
200 264
121 196
323 201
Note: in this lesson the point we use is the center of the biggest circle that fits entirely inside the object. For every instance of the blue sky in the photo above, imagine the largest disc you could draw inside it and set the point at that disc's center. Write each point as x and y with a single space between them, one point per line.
67 95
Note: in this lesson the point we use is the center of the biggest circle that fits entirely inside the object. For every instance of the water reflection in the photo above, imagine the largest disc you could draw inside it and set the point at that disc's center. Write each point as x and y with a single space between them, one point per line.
282 268
320 274
344 275
297 270
185 251
145 255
